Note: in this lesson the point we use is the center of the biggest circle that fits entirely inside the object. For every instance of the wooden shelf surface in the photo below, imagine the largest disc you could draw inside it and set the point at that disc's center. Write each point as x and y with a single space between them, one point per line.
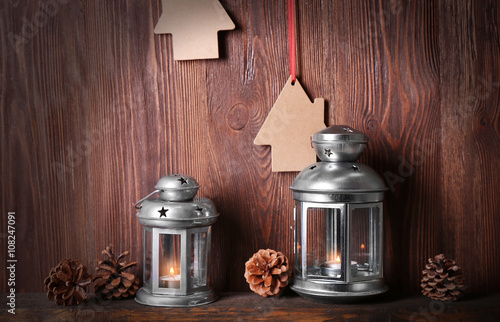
249 306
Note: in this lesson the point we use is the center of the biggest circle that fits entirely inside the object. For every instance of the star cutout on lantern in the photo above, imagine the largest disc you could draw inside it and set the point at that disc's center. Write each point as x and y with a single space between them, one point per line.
198 208
163 212
182 180
355 167
328 152
346 129
312 168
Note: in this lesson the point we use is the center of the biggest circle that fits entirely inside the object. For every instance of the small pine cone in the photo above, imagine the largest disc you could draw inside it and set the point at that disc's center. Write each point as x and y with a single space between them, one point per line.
267 272
442 279
67 282
111 282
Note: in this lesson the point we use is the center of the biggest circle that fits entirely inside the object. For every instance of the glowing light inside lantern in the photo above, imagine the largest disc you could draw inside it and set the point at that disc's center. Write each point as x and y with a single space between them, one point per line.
363 246
332 268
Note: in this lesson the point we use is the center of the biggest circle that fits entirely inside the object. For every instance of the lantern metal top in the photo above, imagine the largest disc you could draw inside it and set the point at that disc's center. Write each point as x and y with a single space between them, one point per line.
339 178
339 133
176 208
339 143
177 187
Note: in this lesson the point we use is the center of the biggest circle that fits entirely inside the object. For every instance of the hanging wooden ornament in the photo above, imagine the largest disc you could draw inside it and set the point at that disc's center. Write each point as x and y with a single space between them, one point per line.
293 118
194 25
289 126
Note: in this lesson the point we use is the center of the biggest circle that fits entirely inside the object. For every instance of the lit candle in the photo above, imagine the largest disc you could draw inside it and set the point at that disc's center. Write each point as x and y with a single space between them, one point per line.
336 263
333 268
170 281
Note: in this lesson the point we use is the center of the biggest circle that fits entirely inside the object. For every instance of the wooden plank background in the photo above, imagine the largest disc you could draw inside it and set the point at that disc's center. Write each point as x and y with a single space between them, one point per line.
94 110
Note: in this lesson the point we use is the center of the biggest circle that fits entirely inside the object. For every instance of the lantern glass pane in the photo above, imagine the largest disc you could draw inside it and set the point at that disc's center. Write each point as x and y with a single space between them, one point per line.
199 254
298 243
147 258
365 241
324 243
170 261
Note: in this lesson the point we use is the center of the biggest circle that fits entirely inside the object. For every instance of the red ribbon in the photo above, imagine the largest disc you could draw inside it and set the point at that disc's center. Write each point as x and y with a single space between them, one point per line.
291 39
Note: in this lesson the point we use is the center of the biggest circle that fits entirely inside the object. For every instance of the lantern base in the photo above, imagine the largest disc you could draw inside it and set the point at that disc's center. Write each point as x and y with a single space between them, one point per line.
195 299
330 292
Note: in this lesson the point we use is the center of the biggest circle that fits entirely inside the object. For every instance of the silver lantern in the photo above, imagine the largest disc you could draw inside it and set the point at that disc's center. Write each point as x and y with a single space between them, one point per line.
338 218
176 232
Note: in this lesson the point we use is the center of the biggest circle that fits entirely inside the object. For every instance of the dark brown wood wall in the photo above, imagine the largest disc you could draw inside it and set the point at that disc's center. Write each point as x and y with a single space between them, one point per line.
94 110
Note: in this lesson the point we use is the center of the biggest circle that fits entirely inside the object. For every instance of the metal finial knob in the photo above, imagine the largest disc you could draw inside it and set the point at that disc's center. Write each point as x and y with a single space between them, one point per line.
177 188
339 143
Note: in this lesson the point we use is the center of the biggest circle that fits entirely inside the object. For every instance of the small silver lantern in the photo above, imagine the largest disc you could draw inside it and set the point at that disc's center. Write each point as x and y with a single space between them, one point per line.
338 217
177 231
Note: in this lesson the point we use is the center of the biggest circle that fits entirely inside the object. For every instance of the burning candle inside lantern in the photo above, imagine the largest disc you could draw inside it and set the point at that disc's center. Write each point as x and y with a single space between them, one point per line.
170 281
333 268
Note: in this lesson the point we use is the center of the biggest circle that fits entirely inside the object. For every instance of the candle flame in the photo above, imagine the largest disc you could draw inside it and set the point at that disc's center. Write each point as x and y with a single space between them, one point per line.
337 259
172 270
363 246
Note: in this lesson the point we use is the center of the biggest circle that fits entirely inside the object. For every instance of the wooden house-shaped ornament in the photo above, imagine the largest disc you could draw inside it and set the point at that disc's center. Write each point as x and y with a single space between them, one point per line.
194 25
289 126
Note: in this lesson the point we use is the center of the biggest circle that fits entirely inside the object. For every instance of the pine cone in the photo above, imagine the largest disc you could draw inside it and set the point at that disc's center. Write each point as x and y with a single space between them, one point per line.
67 282
442 279
267 272
111 281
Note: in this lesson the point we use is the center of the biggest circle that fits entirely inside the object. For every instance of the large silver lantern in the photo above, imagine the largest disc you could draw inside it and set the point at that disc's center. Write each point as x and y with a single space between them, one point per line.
176 230
338 216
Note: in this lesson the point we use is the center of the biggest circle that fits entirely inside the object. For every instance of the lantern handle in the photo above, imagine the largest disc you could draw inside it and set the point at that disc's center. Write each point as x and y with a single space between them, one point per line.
142 200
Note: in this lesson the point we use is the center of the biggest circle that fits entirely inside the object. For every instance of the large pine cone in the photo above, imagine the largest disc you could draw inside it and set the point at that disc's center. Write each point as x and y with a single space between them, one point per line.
111 282
267 272
67 282
442 279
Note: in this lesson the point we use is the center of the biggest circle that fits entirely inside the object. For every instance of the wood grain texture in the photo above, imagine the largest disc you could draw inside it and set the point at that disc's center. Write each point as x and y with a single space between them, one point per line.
94 110
249 306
